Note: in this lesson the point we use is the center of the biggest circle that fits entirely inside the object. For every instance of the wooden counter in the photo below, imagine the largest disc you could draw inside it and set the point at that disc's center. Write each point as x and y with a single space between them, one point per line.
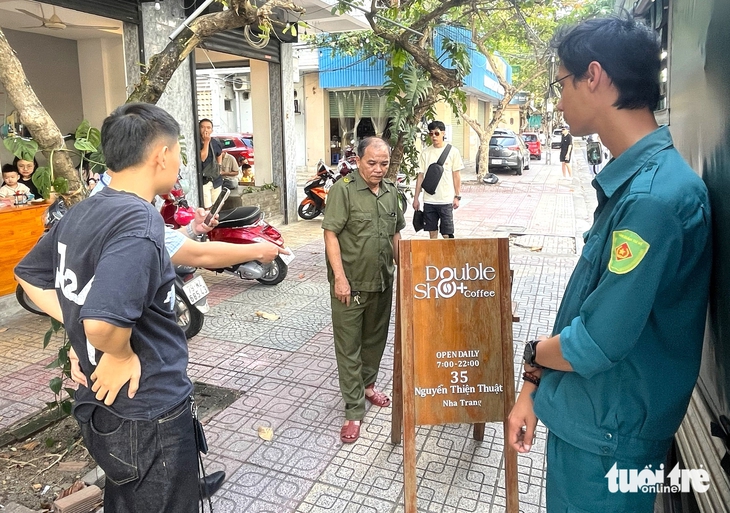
20 229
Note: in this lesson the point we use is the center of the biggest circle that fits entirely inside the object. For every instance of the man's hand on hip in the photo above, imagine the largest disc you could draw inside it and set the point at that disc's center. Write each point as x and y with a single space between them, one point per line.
112 373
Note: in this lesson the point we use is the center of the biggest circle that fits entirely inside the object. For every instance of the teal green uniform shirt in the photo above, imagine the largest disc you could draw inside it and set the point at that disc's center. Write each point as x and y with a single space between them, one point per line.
365 224
632 319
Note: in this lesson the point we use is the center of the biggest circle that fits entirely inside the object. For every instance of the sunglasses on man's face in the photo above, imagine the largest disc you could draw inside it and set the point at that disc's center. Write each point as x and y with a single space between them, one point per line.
435 132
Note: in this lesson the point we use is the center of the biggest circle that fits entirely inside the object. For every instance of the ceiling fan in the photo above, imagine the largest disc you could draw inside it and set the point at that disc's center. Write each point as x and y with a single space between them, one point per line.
55 23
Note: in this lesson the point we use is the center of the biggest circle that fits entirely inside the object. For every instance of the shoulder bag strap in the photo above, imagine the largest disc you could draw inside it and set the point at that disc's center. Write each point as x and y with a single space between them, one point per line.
444 155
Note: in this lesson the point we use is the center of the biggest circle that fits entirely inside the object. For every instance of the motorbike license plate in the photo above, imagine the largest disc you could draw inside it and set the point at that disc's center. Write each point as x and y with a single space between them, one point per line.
287 258
196 289
496 161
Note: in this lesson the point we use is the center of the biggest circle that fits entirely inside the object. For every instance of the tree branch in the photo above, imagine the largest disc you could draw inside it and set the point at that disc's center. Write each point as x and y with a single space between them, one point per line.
163 65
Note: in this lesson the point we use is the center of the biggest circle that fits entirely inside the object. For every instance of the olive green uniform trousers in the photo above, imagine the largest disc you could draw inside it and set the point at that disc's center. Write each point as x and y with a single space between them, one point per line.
360 333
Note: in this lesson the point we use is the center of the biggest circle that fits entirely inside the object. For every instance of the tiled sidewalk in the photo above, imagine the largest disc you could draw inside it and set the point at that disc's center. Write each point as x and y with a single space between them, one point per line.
287 372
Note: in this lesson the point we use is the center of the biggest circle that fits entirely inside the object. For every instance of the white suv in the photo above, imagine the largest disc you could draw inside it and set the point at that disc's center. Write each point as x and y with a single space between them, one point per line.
556 138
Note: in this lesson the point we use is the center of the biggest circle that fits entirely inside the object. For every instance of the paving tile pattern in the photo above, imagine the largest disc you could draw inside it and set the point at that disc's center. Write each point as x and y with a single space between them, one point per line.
288 376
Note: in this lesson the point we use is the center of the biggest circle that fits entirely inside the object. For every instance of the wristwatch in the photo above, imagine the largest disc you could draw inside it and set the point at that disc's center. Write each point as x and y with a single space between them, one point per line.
457 197
531 354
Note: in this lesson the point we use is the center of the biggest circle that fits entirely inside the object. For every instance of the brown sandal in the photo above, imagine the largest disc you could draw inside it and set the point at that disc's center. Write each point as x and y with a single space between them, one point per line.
350 432
378 398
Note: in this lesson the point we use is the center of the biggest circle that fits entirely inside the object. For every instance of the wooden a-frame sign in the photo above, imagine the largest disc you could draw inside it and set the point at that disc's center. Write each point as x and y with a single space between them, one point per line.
453 345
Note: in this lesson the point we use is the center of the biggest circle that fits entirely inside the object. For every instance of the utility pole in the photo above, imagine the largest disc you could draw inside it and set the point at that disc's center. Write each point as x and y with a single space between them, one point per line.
550 109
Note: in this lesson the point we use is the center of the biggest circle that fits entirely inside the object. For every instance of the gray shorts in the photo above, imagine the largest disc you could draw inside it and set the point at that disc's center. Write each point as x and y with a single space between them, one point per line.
433 213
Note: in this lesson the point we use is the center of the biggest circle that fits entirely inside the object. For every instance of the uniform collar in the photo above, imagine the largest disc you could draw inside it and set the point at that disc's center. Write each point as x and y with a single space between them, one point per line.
362 185
621 169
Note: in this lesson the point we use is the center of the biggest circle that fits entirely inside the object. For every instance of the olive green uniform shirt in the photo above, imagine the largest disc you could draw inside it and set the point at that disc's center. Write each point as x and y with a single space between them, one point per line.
365 224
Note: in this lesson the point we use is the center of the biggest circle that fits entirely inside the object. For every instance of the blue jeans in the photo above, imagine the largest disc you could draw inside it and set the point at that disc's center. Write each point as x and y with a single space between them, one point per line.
150 466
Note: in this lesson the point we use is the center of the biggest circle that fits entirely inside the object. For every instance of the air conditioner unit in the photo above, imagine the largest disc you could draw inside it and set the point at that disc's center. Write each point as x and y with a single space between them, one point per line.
240 84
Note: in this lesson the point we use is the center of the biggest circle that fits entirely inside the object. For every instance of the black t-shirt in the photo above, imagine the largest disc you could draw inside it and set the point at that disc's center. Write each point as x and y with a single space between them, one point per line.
565 142
214 150
107 261
30 185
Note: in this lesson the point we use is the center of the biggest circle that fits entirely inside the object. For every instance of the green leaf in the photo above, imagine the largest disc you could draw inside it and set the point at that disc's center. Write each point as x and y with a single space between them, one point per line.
97 161
183 150
61 185
42 180
24 149
47 338
83 144
70 391
82 132
55 364
56 325
95 137
50 442
66 407
56 384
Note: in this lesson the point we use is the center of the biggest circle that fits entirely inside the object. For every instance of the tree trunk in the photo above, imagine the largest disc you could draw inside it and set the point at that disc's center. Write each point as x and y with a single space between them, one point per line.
35 117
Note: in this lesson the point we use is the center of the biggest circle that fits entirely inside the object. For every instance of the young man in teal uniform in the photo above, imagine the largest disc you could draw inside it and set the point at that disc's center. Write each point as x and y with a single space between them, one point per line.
362 227
613 382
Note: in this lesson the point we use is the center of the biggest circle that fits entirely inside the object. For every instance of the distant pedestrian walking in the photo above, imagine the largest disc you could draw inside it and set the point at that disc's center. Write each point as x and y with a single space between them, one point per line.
566 152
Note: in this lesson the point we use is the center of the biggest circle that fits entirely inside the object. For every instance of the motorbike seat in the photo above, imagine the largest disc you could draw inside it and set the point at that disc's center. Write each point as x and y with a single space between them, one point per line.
239 216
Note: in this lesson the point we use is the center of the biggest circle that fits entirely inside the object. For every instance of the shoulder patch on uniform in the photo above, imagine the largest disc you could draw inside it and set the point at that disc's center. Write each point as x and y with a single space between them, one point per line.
627 250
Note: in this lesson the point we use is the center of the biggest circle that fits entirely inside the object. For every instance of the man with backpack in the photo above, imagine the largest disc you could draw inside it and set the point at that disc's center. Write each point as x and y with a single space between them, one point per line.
440 179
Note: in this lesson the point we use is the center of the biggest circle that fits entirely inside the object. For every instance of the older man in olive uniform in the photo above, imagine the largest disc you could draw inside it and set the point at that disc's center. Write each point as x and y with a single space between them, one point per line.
362 226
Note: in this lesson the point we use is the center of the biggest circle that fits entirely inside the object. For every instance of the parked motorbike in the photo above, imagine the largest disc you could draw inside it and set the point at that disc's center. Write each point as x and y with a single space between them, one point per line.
241 225
191 292
315 190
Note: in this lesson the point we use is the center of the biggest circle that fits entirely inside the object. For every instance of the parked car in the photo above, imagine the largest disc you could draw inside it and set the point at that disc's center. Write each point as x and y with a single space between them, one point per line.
556 138
533 144
238 145
508 152
503 131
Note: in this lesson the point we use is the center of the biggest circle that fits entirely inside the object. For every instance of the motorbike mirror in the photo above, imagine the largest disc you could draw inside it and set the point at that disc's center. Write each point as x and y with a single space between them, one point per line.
594 153
185 185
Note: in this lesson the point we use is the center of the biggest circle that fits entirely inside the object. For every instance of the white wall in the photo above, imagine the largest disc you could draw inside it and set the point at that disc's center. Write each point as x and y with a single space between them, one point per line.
52 67
103 77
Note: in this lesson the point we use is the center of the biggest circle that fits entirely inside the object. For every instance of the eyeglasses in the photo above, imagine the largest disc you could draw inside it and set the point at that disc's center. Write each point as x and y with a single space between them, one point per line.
435 132
559 82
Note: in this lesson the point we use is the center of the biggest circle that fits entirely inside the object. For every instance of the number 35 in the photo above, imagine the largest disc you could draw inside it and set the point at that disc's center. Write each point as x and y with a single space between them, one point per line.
459 377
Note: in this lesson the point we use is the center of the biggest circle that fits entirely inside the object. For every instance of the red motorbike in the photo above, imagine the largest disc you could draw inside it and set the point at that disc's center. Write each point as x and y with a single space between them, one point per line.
241 225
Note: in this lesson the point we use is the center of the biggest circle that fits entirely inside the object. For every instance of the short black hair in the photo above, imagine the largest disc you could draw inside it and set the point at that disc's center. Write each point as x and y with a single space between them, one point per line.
128 132
367 141
627 49
9 168
434 125
200 123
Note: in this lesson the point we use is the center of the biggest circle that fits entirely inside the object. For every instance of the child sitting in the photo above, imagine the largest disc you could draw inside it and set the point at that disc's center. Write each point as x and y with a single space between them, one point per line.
247 177
11 187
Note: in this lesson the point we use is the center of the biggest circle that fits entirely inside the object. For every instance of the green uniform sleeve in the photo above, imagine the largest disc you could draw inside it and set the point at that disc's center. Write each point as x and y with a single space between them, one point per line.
337 211
643 256
401 220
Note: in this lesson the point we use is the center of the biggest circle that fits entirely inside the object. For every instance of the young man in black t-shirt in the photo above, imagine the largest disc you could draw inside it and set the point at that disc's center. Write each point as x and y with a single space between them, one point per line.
113 288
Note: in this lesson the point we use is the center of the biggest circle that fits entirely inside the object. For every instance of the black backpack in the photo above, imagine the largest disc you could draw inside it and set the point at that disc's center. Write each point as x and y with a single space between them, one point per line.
434 172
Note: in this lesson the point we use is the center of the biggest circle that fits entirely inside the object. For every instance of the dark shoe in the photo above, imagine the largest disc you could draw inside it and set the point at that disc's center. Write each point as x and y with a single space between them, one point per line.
211 484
